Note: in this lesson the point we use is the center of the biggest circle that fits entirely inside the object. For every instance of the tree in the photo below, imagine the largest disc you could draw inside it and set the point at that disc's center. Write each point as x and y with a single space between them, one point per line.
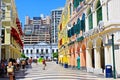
55 55
23 56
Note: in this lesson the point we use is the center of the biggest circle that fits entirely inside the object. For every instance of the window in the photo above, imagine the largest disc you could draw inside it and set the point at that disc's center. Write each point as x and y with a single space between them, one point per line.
57 50
46 51
27 51
31 51
90 19
36 26
60 26
41 51
52 50
99 12
3 35
37 50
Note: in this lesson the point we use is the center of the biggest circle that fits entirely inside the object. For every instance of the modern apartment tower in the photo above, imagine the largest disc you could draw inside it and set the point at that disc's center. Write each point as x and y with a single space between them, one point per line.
55 18
37 30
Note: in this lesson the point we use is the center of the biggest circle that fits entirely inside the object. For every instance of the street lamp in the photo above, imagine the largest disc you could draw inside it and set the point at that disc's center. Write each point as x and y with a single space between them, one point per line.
114 70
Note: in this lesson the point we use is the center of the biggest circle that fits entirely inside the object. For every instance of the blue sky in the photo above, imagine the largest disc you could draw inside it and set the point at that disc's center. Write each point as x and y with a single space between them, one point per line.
36 7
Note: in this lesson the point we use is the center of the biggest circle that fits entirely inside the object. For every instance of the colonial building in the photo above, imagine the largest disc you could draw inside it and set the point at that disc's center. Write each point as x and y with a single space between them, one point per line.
41 49
11 31
90 33
102 20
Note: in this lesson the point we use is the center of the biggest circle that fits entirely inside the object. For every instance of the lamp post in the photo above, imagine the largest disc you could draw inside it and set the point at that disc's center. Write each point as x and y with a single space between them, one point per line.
114 70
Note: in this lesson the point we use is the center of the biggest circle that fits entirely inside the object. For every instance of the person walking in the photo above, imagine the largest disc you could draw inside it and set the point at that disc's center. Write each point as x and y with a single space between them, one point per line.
23 64
30 60
10 71
18 64
44 64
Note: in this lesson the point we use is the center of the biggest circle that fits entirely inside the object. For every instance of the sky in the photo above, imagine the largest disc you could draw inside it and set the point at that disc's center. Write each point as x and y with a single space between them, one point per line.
34 8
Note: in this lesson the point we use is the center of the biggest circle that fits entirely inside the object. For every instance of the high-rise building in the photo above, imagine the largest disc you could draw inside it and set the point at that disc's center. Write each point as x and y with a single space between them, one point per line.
55 18
27 20
37 38
37 30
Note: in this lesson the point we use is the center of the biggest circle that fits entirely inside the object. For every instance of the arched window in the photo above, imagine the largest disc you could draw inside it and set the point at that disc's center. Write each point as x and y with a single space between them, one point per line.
31 51
99 11
46 51
27 51
37 50
90 19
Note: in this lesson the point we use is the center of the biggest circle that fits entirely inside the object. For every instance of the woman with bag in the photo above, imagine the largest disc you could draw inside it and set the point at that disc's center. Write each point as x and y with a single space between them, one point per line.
10 71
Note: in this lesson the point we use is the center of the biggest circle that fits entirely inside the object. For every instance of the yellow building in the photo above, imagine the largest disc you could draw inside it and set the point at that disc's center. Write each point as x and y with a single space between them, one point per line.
62 36
11 31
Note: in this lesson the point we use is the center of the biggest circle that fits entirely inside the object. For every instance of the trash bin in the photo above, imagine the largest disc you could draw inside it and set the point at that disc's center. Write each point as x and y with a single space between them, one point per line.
108 71
56 62
65 65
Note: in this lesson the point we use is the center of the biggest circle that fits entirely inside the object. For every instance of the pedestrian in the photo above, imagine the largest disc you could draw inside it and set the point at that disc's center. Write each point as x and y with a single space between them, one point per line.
23 64
18 64
44 64
10 71
26 61
30 60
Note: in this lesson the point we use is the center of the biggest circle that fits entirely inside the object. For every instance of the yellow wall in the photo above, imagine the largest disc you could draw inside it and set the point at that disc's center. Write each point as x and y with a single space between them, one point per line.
7 36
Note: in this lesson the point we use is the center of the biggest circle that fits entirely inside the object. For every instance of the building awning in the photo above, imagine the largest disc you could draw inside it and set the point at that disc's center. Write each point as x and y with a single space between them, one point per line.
16 36
19 26
80 38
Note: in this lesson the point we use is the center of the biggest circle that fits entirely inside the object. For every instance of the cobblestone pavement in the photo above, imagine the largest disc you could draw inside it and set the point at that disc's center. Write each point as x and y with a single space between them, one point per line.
55 71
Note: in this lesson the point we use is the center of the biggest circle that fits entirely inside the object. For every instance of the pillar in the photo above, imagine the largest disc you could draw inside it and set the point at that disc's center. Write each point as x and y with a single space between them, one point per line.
89 60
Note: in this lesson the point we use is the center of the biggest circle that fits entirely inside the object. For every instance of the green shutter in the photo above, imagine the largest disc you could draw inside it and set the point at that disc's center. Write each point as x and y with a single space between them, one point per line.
80 38
78 26
99 12
83 25
90 20
76 3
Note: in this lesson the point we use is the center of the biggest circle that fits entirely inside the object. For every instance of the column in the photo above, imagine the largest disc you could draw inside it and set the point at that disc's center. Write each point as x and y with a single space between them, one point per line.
105 12
88 60
97 57
86 23
94 20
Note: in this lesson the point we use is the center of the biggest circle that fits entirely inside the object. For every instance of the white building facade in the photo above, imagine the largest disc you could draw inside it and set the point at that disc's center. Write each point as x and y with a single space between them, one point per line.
40 50
102 20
